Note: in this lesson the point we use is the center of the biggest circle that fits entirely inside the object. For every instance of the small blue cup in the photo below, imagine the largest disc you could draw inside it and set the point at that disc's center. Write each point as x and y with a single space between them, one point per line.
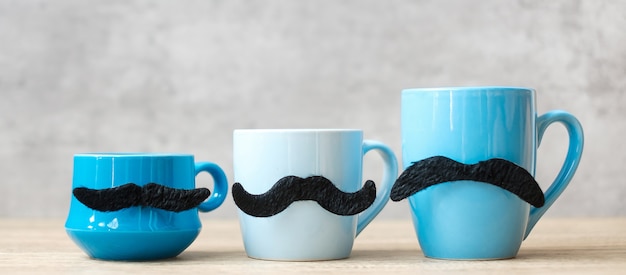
468 219
138 232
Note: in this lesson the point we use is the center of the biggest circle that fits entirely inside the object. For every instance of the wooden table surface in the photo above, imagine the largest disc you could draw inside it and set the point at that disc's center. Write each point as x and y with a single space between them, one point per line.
571 246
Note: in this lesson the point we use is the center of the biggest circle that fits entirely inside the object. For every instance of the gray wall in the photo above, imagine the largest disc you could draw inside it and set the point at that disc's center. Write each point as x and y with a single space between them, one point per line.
179 76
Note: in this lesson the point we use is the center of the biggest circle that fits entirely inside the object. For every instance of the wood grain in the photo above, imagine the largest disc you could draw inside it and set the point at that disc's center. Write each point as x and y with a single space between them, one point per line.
571 246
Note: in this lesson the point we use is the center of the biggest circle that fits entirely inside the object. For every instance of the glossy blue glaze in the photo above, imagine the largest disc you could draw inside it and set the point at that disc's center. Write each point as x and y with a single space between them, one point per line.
474 220
138 233
305 231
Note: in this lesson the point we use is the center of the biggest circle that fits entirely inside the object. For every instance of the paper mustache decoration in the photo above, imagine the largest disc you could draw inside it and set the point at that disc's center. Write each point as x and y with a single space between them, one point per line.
439 169
151 195
292 188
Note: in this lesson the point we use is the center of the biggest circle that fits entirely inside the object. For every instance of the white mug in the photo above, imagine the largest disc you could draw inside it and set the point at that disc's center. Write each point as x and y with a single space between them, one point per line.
303 230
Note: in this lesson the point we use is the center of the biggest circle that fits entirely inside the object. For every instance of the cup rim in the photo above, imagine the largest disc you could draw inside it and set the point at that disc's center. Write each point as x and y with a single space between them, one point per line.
299 130
131 154
468 89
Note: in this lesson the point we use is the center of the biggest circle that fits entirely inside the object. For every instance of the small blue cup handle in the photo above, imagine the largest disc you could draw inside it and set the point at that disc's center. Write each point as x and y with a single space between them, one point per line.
220 185
574 153
390 173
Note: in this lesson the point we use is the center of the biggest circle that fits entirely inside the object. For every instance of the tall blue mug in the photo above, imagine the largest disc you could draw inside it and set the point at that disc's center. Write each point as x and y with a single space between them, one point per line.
471 219
138 232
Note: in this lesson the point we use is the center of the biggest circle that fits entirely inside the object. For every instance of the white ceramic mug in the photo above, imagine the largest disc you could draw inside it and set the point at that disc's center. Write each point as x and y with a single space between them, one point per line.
305 231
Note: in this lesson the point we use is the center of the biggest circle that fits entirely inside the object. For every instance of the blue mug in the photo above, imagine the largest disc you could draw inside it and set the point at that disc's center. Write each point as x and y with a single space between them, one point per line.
467 219
312 179
139 206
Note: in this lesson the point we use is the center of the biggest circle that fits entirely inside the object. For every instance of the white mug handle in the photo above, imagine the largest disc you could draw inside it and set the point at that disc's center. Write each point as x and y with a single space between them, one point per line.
390 173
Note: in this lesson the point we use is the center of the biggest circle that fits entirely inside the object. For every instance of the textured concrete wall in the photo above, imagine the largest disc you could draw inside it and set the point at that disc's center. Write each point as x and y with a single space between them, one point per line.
179 76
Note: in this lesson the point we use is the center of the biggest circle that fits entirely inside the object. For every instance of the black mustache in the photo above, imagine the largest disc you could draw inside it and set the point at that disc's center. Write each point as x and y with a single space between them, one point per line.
292 188
151 194
439 169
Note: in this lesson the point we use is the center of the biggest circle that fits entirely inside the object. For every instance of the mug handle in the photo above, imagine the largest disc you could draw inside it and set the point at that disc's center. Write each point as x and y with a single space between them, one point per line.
574 153
390 173
220 185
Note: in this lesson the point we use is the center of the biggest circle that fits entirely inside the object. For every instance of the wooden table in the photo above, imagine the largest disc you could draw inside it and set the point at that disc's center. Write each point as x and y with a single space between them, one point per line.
569 246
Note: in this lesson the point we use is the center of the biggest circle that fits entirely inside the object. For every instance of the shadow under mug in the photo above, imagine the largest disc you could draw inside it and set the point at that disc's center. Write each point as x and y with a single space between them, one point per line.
469 219
138 232
305 231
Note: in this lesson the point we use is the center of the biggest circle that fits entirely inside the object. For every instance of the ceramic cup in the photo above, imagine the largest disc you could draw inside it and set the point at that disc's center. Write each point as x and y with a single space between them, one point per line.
469 219
305 231
138 232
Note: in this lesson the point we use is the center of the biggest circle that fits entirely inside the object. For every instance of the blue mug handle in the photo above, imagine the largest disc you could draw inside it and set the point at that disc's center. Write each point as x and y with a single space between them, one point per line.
390 173
220 185
574 153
